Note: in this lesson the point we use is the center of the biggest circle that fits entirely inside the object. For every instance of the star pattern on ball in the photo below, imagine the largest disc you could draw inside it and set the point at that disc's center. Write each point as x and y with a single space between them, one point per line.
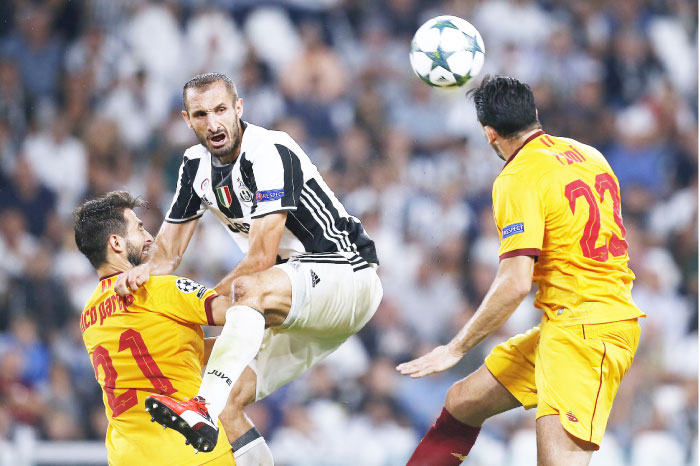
473 44
442 24
439 58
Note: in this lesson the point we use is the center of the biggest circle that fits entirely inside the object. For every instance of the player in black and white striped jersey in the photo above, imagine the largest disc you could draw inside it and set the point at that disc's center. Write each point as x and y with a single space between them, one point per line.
309 267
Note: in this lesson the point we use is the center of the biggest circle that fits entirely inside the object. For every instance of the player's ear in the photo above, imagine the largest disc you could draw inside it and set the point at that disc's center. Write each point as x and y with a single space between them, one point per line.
491 134
239 107
116 243
186 117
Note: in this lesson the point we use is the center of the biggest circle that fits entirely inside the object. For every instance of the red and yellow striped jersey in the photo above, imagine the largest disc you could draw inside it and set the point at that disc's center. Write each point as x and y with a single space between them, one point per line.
151 342
559 200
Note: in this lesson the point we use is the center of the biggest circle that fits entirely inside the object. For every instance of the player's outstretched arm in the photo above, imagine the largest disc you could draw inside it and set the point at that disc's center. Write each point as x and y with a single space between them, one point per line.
512 283
264 241
163 257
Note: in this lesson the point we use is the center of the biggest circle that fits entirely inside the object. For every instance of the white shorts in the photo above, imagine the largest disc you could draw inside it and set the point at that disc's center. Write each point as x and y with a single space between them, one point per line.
333 296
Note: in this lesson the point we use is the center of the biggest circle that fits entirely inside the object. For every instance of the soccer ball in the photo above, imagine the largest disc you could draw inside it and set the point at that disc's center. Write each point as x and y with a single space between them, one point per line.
446 52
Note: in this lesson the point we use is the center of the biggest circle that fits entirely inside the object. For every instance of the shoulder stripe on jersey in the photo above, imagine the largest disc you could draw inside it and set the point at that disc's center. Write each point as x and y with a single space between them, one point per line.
327 204
322 219
341 238
296 225
293 176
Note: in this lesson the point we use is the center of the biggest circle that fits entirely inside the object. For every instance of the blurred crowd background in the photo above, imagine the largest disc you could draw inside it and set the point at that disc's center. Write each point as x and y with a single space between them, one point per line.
90 102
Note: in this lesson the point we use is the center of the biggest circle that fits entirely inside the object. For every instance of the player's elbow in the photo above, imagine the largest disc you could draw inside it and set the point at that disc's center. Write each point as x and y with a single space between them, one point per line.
520 288
516 287
515 275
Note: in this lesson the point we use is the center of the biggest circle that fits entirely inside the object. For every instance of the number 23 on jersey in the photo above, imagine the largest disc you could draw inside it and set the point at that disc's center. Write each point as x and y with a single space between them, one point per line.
604 183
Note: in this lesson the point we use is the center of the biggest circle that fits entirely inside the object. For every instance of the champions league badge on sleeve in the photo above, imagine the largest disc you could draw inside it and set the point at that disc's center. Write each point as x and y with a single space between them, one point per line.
186 285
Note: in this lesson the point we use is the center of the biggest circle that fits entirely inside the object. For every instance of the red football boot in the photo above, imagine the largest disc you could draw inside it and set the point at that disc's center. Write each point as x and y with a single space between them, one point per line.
190 418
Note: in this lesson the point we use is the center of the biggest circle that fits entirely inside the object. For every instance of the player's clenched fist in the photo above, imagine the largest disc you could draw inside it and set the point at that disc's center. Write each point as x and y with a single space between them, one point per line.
130 281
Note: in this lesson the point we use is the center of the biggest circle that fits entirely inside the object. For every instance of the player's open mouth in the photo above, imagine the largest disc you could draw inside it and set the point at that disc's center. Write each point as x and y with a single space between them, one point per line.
218 140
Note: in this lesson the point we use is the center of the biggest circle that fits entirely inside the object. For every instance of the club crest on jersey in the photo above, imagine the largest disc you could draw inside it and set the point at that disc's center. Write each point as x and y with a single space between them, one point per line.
223 193
271 195
513 229
186 285
244 192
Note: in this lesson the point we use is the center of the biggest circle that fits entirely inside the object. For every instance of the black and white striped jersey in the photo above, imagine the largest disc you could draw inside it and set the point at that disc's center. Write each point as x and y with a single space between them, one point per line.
271 174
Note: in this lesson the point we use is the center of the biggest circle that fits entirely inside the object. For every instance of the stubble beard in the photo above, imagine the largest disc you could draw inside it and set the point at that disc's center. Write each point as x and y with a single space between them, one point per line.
133 255
231 148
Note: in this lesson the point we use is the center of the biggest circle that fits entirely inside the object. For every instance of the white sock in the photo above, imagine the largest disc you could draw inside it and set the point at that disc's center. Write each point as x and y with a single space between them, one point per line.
235 348
250 449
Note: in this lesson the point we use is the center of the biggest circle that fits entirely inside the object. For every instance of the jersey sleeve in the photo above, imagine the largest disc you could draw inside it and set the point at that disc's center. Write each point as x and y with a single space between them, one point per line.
181 299
520 216
278 179
186 205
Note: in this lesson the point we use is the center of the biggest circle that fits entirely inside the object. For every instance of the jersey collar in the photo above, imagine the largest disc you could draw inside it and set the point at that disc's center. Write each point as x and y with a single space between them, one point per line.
537 134
110 275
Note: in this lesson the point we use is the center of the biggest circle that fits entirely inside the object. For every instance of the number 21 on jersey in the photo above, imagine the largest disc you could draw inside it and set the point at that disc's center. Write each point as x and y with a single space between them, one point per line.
132 340
604 182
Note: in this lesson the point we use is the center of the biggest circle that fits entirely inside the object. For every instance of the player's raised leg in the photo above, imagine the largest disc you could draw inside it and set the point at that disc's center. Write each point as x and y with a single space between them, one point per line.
236 346
556 447
269 291
468 404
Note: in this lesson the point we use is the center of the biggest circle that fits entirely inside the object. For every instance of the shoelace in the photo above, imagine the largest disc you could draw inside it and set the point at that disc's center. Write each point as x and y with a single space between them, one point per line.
201 405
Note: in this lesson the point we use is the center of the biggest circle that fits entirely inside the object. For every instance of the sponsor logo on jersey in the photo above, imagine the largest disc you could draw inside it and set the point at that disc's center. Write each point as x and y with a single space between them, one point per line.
239 227
513 229
314 279
571 417
186 285
243 192
224 195
271 195
205 199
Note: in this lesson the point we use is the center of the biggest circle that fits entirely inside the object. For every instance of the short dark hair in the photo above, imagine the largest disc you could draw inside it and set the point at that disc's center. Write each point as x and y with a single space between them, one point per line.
207 79
505 104
97 219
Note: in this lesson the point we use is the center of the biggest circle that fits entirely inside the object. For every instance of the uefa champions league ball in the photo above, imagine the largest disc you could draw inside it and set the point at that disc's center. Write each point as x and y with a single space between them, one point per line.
446 52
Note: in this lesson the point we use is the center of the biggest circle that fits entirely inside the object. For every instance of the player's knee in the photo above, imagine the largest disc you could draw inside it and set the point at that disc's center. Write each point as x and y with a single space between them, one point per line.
247 290
462 403
453 399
